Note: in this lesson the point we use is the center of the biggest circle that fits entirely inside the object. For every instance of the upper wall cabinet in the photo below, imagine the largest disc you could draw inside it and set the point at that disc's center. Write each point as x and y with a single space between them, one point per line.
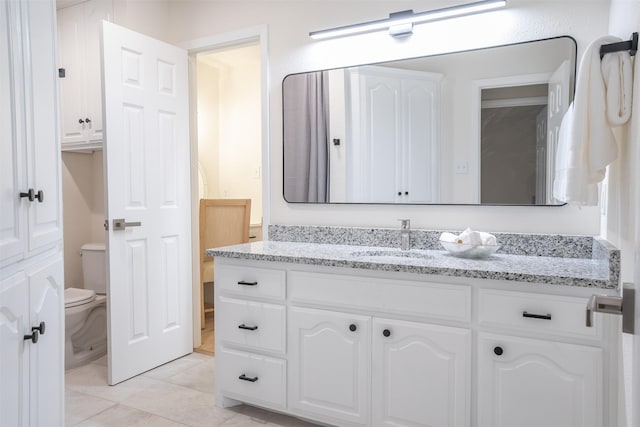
30 214
80 82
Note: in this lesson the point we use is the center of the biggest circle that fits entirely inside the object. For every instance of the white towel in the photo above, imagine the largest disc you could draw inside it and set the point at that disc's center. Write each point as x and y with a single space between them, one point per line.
617 75
586 144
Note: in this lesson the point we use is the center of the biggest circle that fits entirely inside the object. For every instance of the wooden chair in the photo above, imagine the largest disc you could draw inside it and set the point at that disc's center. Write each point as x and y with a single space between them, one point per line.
223 222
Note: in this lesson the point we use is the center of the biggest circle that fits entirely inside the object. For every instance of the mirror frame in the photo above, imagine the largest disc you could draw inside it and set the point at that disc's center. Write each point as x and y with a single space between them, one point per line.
571 98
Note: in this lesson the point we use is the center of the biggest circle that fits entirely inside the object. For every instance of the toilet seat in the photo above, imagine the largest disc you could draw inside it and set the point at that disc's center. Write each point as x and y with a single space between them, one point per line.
74 297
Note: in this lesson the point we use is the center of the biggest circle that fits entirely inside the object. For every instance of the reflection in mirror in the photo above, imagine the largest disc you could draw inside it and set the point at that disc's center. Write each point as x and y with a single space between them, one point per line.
473 127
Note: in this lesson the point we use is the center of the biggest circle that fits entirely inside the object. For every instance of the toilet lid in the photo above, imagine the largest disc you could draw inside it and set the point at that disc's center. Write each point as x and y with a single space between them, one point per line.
74 297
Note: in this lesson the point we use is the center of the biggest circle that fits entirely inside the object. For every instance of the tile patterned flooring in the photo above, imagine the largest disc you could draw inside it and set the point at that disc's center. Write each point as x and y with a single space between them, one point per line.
179 393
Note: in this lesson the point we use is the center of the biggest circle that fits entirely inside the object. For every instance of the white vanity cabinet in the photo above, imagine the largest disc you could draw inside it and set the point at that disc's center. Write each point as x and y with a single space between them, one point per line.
380 348
79 28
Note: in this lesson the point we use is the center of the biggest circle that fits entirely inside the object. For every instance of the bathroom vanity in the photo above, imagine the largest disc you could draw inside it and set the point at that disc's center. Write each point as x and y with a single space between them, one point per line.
346 334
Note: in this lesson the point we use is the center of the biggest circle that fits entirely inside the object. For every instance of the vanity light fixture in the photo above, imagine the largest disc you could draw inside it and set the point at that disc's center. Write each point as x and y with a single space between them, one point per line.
401 23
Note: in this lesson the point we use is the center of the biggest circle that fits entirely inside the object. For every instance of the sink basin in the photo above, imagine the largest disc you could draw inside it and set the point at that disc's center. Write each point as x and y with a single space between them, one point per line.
392 255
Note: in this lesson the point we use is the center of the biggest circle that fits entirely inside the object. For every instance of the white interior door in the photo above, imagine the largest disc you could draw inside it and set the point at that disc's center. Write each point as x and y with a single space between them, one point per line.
147 165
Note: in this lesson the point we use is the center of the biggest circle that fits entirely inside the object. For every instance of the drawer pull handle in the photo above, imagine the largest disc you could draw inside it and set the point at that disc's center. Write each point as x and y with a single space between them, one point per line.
248 328
536 316
243 377
242 282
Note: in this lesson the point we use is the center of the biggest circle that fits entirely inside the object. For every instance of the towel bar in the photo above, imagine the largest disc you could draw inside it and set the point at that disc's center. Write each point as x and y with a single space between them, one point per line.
630 45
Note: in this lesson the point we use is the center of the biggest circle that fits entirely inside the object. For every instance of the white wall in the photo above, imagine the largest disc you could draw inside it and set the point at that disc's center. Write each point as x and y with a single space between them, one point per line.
292 51
83 209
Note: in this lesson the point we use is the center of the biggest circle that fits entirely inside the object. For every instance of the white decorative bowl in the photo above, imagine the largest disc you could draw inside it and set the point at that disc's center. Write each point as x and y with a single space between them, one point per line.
467 250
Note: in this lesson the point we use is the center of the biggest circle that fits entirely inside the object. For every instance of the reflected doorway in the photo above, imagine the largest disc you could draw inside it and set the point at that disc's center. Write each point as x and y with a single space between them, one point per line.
513 145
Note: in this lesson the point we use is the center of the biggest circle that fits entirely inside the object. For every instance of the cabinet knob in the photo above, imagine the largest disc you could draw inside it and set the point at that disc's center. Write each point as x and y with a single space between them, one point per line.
30 194
81 121
386 333
33 337
498 350
406 193
399 193
39 328
353 327
87 120
40 196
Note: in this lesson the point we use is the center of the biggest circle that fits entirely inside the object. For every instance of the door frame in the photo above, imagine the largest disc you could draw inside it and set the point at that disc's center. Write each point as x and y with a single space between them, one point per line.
206 44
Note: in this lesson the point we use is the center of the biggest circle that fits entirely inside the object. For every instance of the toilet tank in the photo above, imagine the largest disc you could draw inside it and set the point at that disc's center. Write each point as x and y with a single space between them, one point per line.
94 267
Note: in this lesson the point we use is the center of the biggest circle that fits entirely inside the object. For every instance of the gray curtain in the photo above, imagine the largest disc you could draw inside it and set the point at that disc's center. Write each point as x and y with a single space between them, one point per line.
306 137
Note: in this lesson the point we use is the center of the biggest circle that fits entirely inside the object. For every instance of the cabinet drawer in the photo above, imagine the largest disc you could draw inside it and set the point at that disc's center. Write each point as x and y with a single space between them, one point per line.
534 312
263 378
255 325
247 281
405 297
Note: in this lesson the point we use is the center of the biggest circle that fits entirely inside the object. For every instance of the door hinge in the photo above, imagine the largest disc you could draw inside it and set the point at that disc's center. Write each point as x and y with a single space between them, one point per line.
106 225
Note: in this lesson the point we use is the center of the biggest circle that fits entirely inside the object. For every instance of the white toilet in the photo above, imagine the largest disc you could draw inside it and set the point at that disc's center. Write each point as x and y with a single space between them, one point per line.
85 310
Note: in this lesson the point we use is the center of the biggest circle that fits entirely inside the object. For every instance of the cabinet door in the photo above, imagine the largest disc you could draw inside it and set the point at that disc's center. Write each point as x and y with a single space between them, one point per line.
46 301
14 351
43 149
421 137
421 374
79 29
381 138
12 171
531 383
94 12
329 366
71 58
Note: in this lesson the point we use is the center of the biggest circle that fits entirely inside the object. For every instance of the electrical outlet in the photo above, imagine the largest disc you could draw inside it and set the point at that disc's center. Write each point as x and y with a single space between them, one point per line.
461 167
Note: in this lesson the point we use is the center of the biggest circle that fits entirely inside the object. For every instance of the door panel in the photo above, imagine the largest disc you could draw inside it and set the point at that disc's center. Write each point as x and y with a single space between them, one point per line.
421 374
148 181
531 383
46 298
12 179
14 356
330 364
45 217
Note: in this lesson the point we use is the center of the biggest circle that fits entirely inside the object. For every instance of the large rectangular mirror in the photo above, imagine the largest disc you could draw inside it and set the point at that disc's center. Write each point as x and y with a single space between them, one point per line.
472 127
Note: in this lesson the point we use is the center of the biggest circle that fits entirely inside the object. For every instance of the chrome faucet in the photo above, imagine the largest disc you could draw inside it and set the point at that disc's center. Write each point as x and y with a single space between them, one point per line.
405 234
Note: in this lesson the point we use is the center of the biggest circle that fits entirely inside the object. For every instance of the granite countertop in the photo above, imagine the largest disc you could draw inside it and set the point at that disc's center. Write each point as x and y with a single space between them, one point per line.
597 269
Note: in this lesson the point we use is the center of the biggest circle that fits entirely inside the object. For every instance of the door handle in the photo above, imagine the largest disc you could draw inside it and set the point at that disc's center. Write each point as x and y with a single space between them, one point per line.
621 305
121 224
